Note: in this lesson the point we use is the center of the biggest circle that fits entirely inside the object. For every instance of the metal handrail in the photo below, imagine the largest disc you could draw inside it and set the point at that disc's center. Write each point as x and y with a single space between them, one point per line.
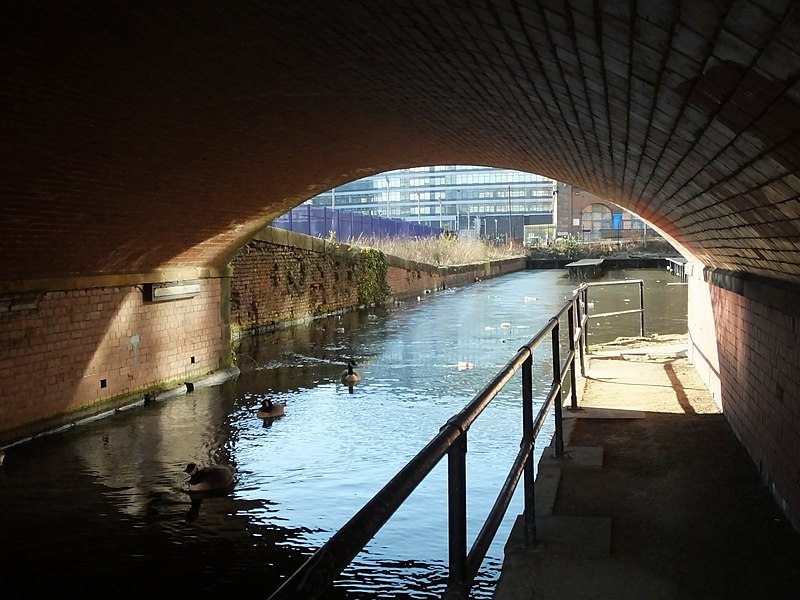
318 573
640 310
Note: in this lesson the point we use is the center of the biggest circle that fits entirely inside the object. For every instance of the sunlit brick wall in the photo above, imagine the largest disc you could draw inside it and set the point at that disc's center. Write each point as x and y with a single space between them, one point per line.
408 279
283 277
744 345
81 349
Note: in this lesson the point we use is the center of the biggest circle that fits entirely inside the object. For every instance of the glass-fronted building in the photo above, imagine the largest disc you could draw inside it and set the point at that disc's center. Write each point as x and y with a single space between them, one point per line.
491 203
471 200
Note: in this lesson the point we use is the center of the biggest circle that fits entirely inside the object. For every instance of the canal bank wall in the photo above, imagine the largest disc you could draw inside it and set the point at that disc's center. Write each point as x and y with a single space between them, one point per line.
408 278
79 349
73 349
281 278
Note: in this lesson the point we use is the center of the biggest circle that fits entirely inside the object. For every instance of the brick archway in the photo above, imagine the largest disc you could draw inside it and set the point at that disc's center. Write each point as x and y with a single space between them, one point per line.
165 137
148 143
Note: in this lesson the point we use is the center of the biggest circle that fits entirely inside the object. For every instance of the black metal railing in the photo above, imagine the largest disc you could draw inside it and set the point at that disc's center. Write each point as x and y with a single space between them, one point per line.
640 311
319 572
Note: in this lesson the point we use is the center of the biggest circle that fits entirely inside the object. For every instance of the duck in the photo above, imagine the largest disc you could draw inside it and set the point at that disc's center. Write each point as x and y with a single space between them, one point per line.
351 377
210 478
270 409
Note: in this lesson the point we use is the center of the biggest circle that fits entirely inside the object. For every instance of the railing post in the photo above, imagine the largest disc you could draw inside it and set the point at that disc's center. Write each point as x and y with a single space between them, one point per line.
572 378
559 433
529 479
457 516
336 225
586 312
580 309
641 307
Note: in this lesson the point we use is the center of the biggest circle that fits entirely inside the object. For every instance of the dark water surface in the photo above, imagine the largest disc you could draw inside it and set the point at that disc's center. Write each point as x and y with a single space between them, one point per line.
101 508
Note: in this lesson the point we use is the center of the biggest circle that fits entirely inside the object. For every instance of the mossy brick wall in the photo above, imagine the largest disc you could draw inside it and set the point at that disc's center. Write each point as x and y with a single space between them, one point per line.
281 277
408 278
81 350
744 344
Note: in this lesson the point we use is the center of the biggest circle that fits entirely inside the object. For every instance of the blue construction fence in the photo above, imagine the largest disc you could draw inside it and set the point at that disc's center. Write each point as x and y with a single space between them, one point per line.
321 221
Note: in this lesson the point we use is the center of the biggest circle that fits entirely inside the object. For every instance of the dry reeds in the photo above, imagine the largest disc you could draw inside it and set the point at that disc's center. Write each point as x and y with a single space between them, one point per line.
443 251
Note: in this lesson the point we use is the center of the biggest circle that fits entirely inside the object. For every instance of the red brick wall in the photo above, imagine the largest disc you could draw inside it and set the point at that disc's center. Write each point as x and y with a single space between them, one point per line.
80 352
408 278
744 344
282 277
55 357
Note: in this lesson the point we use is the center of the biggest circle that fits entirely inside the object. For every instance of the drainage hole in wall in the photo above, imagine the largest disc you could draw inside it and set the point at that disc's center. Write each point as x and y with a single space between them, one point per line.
103 383
191 360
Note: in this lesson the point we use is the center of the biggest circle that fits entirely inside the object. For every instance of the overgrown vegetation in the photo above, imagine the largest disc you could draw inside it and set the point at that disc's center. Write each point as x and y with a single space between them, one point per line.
449 251
444 251
573 248
344 254
369 261
373 287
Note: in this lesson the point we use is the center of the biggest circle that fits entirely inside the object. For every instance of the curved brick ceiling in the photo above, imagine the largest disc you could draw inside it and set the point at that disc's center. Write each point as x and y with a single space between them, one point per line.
139 135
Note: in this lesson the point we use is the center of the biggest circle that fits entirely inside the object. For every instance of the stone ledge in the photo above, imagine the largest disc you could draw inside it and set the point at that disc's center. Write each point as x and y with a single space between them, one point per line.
576 536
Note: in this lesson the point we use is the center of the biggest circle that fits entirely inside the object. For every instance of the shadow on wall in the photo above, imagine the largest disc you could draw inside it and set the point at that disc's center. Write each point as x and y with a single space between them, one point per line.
81 352
759 403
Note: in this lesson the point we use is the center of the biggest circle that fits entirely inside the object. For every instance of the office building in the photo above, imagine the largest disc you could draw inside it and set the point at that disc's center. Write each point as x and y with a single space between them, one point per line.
487 202
471 200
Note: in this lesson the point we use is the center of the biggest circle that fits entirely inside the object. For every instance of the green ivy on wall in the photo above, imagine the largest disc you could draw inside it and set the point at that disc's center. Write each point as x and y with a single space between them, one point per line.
373 286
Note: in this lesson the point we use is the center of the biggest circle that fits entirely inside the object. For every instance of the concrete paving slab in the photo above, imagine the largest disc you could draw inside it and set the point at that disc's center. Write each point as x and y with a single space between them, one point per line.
546 489
604 413
575 457
573 536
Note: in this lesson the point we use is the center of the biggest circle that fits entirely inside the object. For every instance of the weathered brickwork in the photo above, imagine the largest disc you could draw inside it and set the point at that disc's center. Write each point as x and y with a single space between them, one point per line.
80 350
276 283
282 277
744 338
67 355
408 278
686 113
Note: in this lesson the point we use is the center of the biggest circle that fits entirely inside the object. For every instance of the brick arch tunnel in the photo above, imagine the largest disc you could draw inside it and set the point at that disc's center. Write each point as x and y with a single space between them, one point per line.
149 141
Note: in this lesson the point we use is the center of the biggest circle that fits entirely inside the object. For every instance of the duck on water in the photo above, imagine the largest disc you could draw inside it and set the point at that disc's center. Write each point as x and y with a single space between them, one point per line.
270 409
211 478
351 377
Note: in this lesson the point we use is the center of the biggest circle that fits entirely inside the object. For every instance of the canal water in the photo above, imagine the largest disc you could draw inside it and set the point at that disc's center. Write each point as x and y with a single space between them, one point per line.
102 507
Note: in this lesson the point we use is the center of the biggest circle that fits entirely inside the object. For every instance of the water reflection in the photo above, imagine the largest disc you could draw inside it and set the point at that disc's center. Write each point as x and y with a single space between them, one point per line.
106 505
